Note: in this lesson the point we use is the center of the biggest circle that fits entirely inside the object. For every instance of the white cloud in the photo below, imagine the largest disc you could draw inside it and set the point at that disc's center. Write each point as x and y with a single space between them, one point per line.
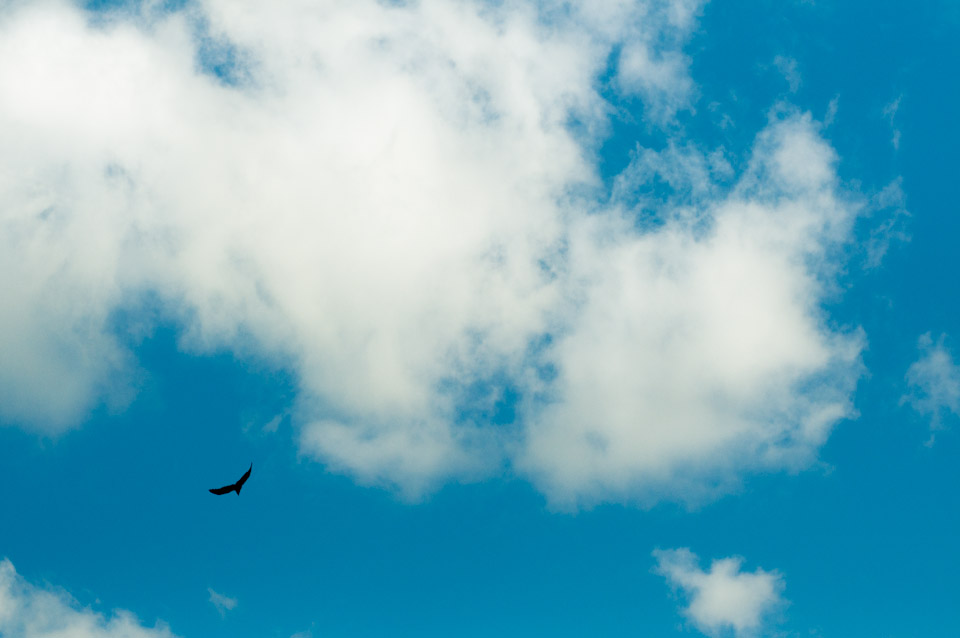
890 113
933 381
27 611
271 426
725 598
658 74
788 68
385 199
370 210
891 223
699 349
222 603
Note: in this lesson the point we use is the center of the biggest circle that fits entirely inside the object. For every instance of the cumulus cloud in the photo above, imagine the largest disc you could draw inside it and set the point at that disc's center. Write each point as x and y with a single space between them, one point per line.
724 599
371 209
222 603
933 381
28 611
388 199
699 347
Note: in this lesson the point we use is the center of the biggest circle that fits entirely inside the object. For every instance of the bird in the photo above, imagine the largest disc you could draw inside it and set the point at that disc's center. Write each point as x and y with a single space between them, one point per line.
226 489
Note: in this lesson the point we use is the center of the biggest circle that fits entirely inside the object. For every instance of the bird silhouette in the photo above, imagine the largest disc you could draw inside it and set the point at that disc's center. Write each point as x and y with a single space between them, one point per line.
226 489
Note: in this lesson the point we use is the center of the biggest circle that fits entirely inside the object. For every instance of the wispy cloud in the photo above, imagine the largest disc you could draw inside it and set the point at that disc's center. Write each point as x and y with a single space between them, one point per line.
222 603
890 217
790 71
890 113
271 426
29 611
724 599
933 382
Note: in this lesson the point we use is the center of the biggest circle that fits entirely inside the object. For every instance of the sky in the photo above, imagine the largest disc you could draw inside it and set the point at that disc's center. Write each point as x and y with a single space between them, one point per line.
553 318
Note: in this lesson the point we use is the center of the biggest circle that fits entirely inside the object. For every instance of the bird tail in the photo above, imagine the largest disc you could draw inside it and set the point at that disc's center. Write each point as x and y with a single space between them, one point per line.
237 489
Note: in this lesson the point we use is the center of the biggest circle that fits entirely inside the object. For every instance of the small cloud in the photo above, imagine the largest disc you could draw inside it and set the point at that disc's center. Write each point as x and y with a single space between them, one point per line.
891 203
832 109
660 77
934 382
890 113
221 602
303 634
255 424
890 110
273 424
725 598
788 69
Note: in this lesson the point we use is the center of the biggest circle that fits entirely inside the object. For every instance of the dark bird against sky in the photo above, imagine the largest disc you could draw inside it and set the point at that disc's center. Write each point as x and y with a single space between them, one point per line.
236 486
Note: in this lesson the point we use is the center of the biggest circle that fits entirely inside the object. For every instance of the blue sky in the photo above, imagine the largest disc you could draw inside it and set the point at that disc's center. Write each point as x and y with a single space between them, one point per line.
550 319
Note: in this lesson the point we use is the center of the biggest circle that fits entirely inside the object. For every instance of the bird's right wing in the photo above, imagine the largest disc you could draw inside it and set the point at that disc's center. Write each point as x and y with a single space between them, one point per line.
222 490
246 475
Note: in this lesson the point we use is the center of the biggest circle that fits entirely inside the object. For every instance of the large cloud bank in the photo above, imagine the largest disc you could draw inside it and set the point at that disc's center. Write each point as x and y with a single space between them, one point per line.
397 202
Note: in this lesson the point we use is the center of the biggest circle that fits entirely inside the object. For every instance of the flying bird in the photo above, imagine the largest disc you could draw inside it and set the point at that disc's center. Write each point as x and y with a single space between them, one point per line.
226 489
